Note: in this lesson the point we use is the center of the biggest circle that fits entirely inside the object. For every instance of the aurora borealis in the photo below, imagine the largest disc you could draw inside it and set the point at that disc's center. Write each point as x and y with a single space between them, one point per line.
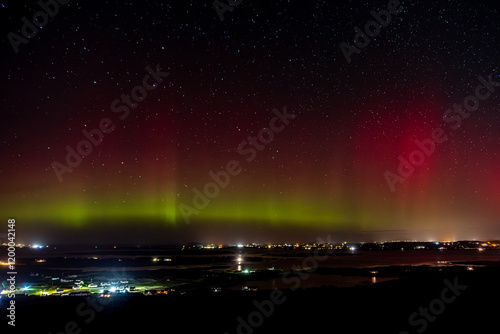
322 174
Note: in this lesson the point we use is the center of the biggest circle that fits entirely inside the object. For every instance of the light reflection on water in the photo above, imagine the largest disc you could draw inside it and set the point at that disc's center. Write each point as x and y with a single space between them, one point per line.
315 280
363 259
258 259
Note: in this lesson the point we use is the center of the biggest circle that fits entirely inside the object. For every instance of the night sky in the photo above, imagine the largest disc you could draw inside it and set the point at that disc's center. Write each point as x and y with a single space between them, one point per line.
323 172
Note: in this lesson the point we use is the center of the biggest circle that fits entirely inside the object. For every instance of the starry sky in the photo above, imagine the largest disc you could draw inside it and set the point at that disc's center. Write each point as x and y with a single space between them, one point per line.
324 172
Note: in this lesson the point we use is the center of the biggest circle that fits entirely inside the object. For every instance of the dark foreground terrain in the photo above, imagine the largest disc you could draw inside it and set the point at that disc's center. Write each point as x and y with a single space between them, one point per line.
468 303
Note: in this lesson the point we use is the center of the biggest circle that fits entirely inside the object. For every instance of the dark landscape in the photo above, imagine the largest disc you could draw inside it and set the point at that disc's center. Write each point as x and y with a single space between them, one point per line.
176 286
